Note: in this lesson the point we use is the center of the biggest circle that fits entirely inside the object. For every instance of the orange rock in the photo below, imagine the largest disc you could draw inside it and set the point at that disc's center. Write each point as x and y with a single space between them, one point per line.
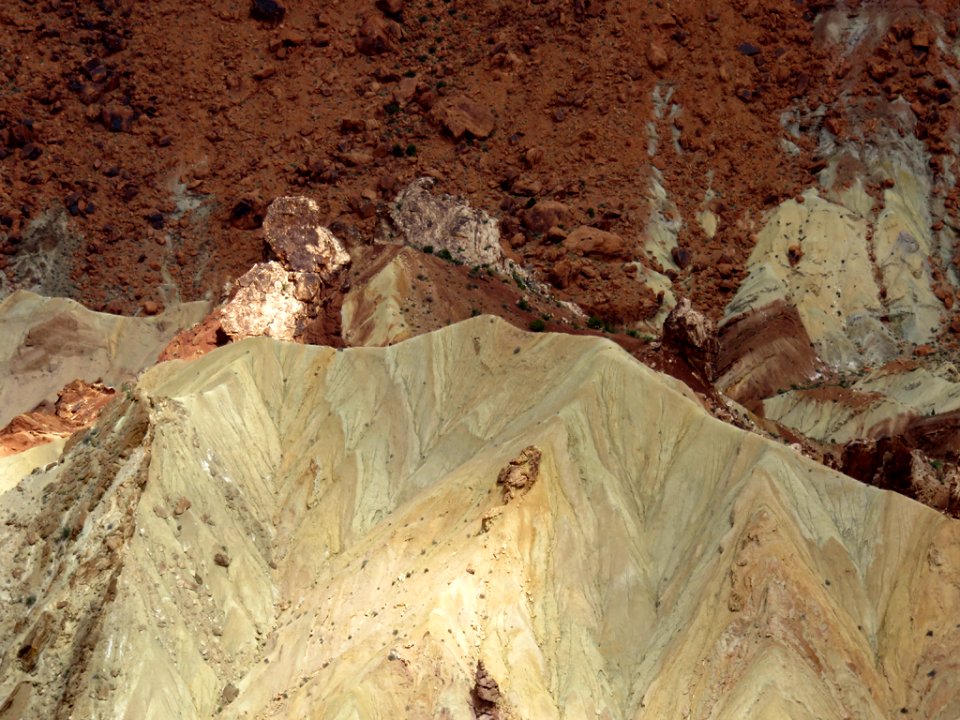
656 55
461 115
587 240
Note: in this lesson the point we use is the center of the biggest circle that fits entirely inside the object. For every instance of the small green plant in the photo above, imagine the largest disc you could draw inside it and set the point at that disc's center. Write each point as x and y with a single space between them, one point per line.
428 249
31 599
411 150
474 312
397 150
538 325
595 323
523 305
391 108
444 254
65 533
633 333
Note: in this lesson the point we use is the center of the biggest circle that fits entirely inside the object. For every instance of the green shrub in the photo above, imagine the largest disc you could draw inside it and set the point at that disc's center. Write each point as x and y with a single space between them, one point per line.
538 325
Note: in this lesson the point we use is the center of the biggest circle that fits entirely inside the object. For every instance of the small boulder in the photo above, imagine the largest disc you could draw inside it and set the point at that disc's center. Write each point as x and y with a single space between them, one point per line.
293 231
268 11
587 240
545 215
377 36
264 305
461 115
657 57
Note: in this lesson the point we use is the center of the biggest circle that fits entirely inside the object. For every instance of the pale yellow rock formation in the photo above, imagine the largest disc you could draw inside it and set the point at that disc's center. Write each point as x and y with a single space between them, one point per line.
14 467
49 342
832 285
375 312
881 403
277 530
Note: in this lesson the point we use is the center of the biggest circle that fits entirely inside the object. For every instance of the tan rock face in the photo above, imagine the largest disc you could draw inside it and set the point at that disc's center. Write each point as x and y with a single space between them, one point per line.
294 232
47 343
329 557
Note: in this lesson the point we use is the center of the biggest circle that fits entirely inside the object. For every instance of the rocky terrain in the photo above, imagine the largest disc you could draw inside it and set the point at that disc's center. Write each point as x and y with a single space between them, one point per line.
280 530
556 358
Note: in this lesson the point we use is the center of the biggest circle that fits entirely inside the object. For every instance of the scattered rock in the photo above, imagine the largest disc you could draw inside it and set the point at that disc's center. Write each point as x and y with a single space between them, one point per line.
393 8
181 506
461 116
485 695
221 559
117 118
229 694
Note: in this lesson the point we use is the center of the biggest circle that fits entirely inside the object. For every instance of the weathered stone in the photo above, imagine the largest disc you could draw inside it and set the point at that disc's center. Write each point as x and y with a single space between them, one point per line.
294 232
545 215
377 36
461 115
264 305
694 335
587 240
519 475
444 222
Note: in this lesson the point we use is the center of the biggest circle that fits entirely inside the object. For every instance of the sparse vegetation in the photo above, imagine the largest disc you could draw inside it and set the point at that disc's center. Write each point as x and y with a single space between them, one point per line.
538 325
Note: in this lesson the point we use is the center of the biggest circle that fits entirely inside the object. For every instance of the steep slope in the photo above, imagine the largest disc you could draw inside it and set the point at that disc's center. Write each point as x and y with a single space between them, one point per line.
49 342
478 522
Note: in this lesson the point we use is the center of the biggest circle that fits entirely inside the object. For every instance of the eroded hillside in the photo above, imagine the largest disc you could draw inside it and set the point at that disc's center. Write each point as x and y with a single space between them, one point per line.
475 520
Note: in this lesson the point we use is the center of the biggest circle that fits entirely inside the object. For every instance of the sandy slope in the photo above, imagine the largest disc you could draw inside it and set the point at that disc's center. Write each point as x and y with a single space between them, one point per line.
280 530
49 342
